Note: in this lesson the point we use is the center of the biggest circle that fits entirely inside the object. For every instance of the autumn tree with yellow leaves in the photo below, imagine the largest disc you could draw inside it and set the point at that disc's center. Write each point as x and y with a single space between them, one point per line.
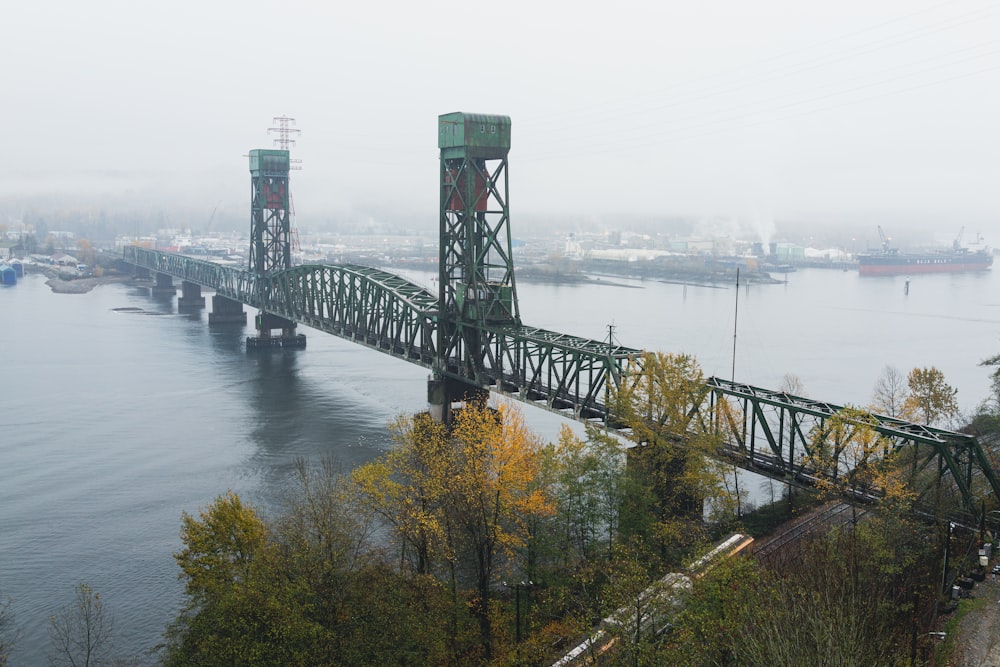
673 467
220 544
461 497
931 400
853 461
406 488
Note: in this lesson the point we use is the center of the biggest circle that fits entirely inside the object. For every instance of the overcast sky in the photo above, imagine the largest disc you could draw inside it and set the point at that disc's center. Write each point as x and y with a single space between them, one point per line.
879 111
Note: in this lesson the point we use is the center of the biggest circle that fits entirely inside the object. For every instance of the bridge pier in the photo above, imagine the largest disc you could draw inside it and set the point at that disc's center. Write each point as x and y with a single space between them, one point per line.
226 311
190 296
266 323
164 283
443 394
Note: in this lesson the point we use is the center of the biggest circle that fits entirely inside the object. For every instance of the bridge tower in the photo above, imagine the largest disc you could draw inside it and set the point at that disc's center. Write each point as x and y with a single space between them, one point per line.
270 239
476 274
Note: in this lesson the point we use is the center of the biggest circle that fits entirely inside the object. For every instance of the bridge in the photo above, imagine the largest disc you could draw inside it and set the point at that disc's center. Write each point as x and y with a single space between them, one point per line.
471 338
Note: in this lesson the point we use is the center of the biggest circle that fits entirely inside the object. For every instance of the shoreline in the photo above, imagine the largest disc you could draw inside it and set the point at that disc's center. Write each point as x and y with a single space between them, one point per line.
59 285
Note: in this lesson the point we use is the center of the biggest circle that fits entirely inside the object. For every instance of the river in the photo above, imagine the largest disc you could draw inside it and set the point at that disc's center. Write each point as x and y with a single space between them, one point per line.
117 413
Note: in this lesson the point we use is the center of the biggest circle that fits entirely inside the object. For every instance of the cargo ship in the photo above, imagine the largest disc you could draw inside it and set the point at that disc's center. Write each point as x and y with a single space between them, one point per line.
896 263
890 262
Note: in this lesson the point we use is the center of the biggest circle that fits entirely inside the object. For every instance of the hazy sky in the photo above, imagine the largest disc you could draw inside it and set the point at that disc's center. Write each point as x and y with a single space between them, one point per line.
879 111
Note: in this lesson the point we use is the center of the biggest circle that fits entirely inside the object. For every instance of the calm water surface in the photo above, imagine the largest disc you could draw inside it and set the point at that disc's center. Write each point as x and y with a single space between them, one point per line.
114 422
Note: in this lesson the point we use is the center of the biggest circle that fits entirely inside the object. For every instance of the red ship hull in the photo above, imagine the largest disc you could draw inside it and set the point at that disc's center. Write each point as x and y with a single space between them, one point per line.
898 265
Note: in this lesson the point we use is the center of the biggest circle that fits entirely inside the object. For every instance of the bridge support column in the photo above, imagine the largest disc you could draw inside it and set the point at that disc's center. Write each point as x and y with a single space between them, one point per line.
141 272
438 404
226 311
444 395
266 323
190 296
164 283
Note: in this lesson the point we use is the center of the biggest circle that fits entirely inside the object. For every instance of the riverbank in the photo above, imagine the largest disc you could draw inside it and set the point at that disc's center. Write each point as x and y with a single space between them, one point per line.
61 285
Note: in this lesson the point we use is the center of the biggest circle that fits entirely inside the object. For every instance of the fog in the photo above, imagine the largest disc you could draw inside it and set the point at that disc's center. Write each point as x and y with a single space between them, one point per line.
776 114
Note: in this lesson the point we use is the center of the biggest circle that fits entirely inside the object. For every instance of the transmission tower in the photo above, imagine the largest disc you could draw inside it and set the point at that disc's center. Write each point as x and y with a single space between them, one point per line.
285 131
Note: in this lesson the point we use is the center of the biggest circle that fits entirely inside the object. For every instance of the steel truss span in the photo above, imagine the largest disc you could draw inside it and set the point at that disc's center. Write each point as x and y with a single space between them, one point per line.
387 313
778 434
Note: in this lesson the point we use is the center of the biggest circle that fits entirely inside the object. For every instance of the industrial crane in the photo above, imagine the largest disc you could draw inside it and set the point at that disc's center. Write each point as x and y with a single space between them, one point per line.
885 240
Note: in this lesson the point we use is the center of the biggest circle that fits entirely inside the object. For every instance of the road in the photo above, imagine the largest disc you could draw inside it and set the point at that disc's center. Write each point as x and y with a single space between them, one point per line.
977 640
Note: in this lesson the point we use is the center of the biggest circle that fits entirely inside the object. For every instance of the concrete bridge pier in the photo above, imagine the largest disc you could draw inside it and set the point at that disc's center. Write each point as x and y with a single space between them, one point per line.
190 296
445 395
266 324
226 311
164 283
141 272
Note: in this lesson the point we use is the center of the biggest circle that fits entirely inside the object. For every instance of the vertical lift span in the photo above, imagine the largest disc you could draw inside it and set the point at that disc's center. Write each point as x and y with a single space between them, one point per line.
475 274
270 241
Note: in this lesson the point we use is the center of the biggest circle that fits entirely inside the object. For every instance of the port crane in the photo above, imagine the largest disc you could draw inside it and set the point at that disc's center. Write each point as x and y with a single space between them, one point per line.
885 240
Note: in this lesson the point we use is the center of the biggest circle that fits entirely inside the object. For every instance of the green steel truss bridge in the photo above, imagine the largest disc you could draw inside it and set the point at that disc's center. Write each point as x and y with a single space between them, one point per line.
471 338
394 316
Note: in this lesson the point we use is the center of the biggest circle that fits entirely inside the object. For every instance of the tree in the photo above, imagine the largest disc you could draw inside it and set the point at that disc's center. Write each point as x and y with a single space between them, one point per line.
792 384
491 493
854 461
220 544
252 623
672 470
243 607
81 633
464 494
590 478
890 393
85 252
703 631
322 526
306 588
639 605
406 488
852 596
931 399
994 361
